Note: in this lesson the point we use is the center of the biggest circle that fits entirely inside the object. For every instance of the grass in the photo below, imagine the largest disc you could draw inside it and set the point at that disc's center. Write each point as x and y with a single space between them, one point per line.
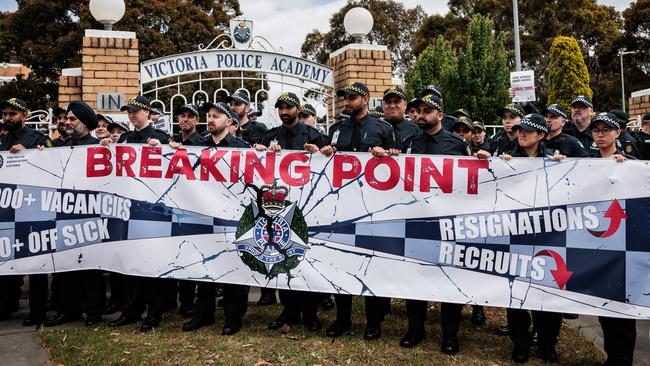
255 345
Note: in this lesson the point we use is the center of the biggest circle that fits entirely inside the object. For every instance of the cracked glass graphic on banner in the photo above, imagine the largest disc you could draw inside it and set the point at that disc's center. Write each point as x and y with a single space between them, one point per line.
568 236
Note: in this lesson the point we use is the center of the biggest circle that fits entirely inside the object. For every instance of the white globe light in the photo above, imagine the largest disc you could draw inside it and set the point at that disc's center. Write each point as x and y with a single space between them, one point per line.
107 12
358 22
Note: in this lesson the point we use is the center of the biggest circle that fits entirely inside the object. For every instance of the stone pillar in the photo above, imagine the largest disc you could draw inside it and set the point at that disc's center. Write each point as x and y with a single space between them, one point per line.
110 64
639 104
366 63
69 86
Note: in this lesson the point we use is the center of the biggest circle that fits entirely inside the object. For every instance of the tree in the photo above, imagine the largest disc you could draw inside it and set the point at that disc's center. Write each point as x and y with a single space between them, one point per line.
437 65
394 26
482 74
46 35
567 72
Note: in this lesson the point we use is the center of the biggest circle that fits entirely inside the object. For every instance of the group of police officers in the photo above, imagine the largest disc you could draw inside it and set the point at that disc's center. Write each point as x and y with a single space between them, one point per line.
419 126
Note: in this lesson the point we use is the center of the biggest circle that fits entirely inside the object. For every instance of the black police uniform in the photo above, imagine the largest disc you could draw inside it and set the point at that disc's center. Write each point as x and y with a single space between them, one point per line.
80 291
585 137
476 148
566 145
298 305
10 285
187 289
235 297
643 140
628 144
442 142
59 142
501 143
360 135
404 131
619 334
252 132
141 290
448 122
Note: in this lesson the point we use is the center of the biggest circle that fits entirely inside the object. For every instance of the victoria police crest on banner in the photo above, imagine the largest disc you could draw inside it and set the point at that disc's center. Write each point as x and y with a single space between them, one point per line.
272 235
242 32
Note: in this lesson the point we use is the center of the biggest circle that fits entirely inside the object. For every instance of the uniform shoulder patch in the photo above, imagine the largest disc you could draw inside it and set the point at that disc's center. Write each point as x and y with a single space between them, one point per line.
628 148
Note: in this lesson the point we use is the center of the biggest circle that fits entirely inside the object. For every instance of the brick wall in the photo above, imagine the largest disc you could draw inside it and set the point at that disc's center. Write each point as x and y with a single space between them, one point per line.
638 106
356 62
109 65
69 89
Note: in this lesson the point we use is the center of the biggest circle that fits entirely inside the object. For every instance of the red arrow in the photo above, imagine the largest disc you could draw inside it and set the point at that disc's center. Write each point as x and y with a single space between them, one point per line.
615 214
560 273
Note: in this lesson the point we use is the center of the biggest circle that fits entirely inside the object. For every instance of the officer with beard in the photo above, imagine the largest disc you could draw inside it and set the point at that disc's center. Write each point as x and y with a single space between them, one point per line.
447 120
139 291
235 297
251 131
79 291
61 115
581 112
438 141
19 138
363 133
293 135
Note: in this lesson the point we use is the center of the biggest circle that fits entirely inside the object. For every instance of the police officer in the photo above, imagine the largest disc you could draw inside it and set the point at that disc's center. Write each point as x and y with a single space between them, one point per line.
462 113
377 112
293 135
18 138
531 133
116 129
307 115
360 132
447 120
394 106
434 140
79 291
251 131
619 334
253 114
463 128
581 112
140 290
557 141
101 132
188 117
643 137
60 115
479 142
235 297
626 142
506 140
412 110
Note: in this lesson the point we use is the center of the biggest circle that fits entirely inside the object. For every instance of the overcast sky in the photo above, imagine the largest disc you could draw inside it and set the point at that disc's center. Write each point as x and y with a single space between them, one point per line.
286 22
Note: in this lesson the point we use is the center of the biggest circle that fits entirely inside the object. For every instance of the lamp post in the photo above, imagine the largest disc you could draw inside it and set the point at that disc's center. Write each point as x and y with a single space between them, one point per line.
358 23
107 12
621 53
515 15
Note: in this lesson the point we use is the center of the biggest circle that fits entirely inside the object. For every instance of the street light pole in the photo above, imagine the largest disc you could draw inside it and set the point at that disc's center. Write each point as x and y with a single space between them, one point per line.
515 14
621 53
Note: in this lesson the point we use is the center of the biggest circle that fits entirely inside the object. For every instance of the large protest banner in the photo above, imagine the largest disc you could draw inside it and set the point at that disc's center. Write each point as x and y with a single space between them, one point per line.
570 236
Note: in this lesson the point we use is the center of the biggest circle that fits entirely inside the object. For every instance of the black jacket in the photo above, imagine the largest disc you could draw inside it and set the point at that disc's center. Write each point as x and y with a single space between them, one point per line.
442 142
294 138
142 136
26 137
567 145
371 132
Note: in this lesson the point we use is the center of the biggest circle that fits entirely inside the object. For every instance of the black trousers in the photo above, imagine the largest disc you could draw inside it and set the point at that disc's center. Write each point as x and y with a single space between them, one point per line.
547 324
10 294
450 316
38 295
141 291
187 292
299 305
81 291
117 289
235 303
376 308
206 302
619 339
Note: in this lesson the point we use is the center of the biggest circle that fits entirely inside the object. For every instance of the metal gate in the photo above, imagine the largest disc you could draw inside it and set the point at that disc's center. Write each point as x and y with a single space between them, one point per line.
233 62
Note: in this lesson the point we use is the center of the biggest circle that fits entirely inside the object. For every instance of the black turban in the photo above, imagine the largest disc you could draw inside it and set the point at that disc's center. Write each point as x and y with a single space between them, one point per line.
84 113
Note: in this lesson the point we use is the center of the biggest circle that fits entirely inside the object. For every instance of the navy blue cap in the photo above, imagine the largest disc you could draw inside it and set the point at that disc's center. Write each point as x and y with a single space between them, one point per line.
15 103
532 123
188 108
582 99
431 101
307 109
136 104
240 97
353 89
513 108
224 108
432 89
377 112
556 110
607 118
291 99
122 125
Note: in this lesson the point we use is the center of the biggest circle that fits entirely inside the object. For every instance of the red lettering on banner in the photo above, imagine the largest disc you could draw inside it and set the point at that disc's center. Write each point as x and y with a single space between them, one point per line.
340 174
185 168
149 160
98 162
393 177
473 167
445 180
302 170
254 164
209 165
235 158
409 173
122 164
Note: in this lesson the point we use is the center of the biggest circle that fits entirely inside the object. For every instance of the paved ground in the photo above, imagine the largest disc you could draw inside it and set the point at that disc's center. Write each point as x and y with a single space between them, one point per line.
21 346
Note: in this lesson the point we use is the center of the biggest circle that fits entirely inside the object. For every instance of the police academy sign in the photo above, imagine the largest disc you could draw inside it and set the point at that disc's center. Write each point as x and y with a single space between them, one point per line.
236 60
